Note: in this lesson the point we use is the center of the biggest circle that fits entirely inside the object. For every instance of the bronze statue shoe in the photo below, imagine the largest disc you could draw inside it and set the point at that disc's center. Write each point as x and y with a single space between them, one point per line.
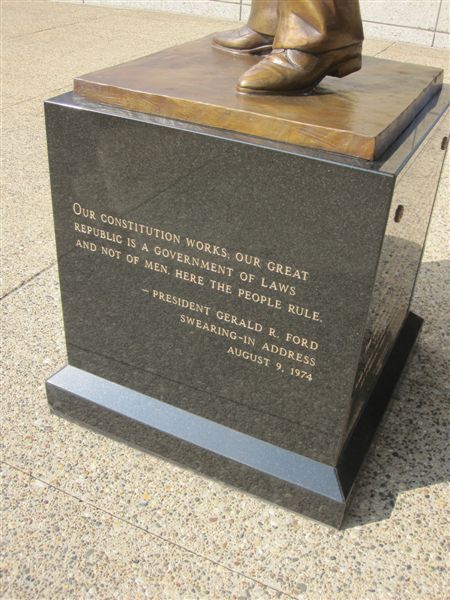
243 41
289 71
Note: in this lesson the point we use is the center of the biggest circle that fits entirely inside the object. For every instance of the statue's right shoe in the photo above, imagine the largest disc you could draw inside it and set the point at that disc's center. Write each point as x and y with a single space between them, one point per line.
243 41
291 71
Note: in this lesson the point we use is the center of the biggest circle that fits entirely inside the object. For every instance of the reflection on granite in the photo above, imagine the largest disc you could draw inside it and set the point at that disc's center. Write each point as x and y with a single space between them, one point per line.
399 262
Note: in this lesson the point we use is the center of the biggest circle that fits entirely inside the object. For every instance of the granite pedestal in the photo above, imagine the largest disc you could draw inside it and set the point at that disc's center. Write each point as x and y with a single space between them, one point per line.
234 304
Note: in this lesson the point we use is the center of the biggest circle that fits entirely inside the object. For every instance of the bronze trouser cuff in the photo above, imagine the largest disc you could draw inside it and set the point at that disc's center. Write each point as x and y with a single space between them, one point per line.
264 16
309 25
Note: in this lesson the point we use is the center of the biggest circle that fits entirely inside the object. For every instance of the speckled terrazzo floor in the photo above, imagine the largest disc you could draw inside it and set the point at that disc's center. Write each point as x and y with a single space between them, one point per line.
87 517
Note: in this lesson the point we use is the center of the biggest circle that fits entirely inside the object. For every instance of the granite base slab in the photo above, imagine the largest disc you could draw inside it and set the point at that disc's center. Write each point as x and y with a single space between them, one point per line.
315 489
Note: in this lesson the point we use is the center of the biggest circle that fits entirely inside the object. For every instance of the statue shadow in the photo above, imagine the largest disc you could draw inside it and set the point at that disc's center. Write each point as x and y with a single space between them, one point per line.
412 443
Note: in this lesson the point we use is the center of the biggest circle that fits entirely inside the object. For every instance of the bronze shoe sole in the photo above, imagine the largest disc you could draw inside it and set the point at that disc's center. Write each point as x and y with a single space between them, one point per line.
265 49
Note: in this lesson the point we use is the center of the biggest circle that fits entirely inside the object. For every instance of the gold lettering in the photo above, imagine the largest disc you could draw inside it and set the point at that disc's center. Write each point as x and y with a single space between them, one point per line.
219 286
250 356
238 321
248 259
277 286
259 298
155 266
206 247
181 302
287 270
302 311
209 327
80 211
85 245
302 341
290 354
190 277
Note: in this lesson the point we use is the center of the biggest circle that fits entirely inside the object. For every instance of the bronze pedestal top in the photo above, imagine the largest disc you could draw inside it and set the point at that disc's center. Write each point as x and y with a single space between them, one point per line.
360 115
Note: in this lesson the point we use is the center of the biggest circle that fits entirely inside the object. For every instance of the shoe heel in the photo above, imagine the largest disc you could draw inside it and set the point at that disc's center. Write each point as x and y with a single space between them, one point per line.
345 68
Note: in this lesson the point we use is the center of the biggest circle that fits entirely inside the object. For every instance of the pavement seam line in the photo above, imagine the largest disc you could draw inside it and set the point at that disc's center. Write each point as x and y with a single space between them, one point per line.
384 49
60 26
54 90
152 534
64 25
17 288
436 24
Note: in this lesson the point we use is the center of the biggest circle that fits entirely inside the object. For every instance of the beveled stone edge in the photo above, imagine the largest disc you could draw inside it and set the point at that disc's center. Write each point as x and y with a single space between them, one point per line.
233 445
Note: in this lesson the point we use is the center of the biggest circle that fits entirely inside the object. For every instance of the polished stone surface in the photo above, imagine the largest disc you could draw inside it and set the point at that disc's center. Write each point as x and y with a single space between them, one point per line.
196 82
273 353
393 542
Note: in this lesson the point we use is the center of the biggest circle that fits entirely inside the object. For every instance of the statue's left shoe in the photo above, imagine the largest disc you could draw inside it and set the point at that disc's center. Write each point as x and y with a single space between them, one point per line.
287 71
244 40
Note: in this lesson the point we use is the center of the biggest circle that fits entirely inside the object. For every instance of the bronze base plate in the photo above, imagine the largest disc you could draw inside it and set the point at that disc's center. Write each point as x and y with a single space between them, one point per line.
359 115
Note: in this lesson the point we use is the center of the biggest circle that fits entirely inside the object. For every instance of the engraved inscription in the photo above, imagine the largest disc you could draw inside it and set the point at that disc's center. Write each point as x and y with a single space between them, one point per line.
222 272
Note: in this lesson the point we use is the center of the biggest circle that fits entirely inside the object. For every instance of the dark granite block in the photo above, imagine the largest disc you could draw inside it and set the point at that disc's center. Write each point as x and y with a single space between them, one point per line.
234 304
